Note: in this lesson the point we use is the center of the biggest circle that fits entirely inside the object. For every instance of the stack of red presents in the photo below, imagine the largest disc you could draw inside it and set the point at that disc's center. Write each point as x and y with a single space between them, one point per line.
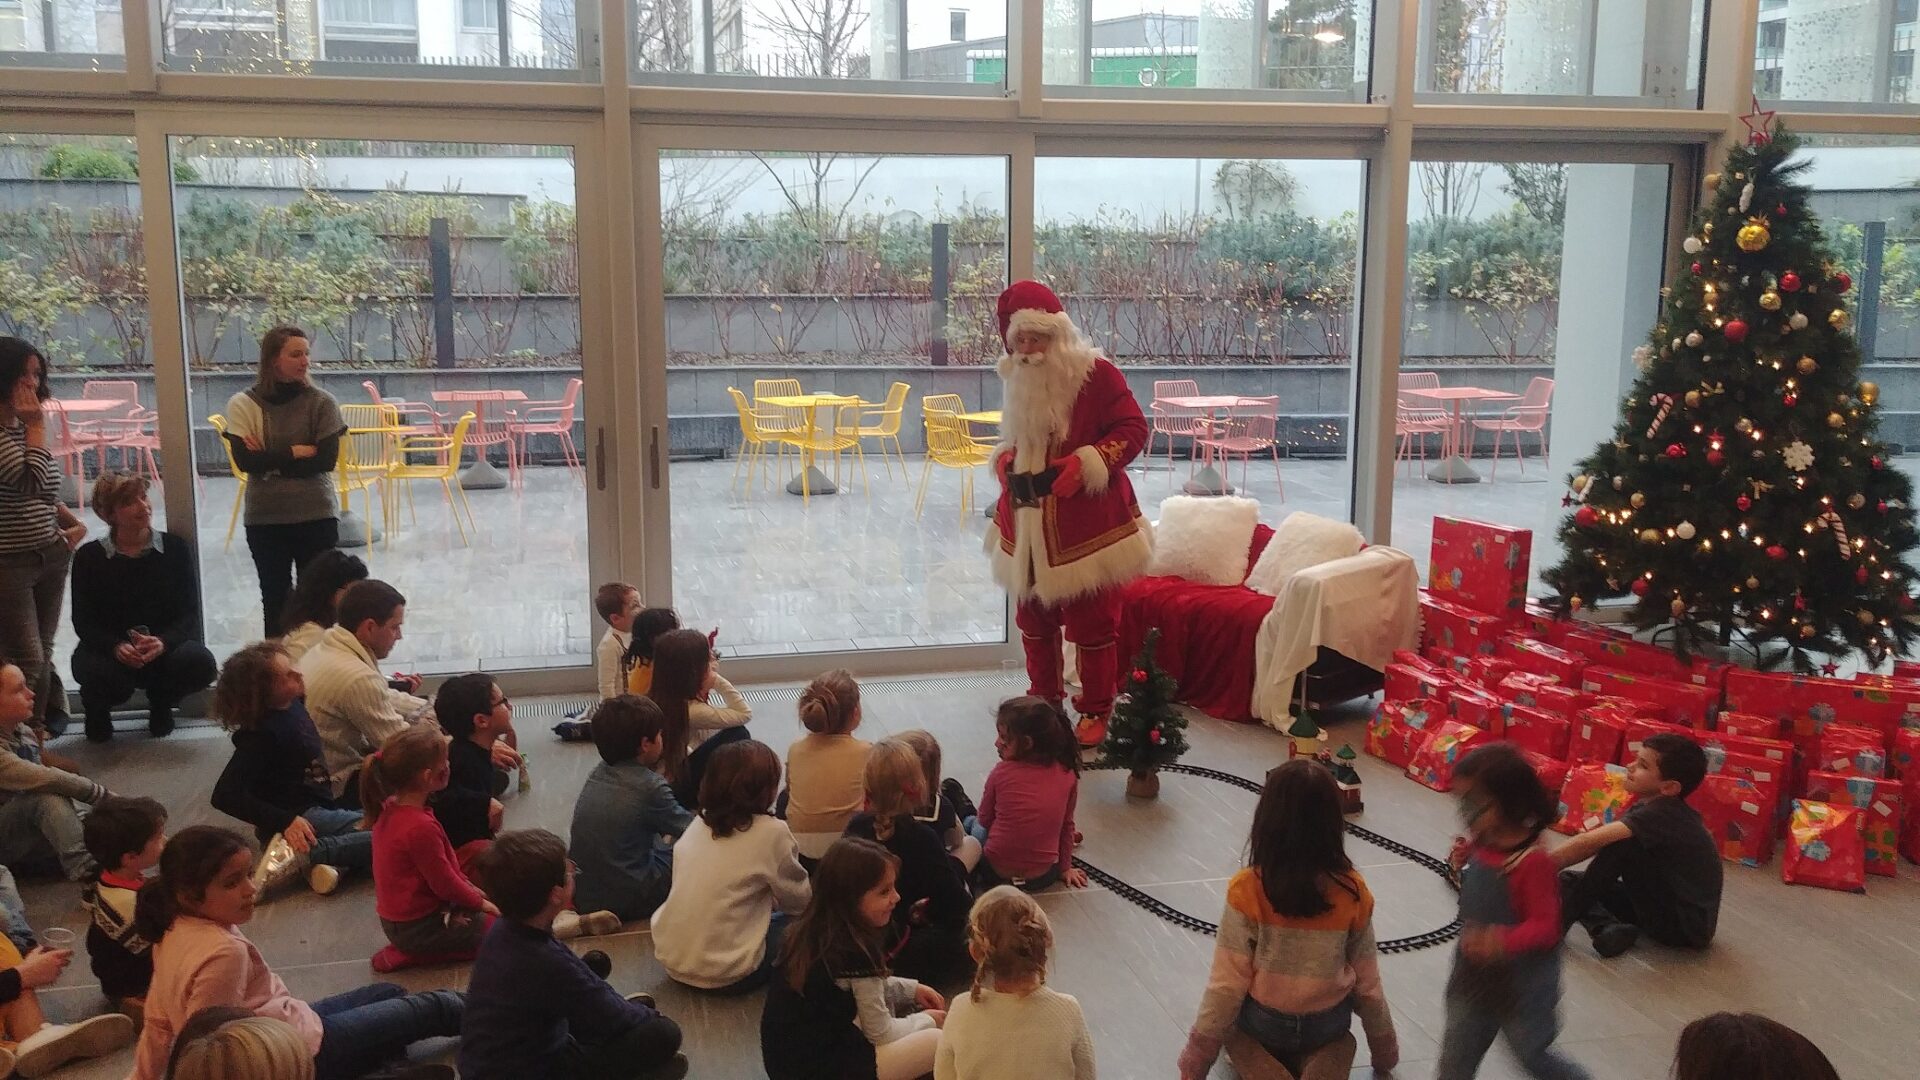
1818 762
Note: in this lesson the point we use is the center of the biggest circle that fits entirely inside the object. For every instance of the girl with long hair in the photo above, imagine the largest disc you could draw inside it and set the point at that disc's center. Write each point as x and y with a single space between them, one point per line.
831 1009
310 610
647 628
683 677
1025 824
1295 957
928 939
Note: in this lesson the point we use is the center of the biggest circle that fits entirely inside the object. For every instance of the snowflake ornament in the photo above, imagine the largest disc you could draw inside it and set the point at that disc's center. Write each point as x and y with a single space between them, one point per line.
1798 456
1643 357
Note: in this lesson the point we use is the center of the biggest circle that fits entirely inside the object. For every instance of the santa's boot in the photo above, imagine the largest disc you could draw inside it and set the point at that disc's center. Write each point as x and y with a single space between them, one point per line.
1099 675
1091 731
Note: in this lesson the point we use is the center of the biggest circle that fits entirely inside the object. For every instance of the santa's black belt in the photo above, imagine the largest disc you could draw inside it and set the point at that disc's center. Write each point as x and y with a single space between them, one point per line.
1027 489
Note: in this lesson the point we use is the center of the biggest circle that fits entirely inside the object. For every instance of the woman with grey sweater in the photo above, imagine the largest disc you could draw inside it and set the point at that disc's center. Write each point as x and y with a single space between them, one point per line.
285 435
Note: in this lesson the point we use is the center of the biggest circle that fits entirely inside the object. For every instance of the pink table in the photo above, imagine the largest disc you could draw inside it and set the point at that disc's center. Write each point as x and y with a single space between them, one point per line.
79 408
1209 481
1453 467
481 475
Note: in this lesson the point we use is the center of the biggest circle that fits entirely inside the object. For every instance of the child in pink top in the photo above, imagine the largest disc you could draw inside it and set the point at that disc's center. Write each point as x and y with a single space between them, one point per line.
192 912
1026 810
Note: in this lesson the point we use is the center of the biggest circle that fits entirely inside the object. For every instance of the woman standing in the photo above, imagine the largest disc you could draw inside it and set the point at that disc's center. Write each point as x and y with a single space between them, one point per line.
285 433
37 532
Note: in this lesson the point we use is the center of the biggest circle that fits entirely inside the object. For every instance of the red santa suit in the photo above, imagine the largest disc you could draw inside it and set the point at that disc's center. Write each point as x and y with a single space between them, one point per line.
1069 531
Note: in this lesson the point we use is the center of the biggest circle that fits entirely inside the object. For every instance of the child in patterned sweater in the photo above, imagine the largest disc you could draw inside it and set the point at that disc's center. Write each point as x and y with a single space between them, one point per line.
125 836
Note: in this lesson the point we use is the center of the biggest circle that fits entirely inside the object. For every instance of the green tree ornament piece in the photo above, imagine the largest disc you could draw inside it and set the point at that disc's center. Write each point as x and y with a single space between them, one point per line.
1146 729
1745 485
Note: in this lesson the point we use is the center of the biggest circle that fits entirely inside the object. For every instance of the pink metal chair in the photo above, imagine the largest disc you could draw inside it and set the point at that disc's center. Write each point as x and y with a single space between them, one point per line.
419 418
1248 429
547 418
1416 418
490 429
128 429
1174 421
1529 415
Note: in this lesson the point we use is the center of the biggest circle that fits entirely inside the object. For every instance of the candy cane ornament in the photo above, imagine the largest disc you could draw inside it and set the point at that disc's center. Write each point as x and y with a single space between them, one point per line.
1831 520
1663 405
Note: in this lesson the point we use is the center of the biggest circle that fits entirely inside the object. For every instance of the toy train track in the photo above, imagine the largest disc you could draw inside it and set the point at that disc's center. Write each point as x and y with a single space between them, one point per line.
1179 918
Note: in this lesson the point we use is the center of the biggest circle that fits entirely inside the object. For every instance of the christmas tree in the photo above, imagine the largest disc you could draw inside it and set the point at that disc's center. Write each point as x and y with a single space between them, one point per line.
1146 731
1744 485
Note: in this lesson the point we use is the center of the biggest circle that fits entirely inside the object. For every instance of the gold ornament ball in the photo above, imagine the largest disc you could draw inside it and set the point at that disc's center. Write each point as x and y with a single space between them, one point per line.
1836 421
1806 629
1693 399
1679 607
1651 536
1770 301
1575 603
1869 392
1865 617
1806 366
1743 425
1837 319
1753 236
1713 179
1856 501
1753 583
1637 500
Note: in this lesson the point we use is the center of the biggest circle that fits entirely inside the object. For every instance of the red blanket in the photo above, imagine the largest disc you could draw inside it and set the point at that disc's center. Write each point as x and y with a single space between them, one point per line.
1207 635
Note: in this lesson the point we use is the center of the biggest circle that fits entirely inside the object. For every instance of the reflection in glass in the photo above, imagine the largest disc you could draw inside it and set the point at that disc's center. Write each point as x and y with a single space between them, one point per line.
321 36
1647 53
1852 51
1317 47
958 42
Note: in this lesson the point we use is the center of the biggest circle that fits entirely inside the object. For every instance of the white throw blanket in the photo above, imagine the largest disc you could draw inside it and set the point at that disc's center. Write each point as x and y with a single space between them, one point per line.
1363 607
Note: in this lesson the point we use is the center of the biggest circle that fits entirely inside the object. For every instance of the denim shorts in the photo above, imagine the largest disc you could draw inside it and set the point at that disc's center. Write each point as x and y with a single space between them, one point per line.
1290 1036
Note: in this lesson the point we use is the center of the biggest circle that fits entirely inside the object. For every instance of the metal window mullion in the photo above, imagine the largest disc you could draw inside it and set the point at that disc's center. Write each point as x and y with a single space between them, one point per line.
140 32
166 323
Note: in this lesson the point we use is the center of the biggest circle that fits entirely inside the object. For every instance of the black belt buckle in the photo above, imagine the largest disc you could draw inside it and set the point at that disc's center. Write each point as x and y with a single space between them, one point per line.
1027 489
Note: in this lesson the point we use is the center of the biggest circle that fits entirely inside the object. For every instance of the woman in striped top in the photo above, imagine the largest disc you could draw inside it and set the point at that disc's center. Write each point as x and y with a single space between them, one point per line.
1295 957
37 532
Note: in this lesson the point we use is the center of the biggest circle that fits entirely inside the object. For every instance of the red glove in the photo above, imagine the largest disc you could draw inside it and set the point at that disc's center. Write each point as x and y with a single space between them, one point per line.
1002 464
1067 484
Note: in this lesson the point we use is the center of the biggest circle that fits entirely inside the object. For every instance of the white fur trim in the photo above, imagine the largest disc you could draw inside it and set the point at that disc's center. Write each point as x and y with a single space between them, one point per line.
1205 540
1093 470
1056 325
1303 540
1116 564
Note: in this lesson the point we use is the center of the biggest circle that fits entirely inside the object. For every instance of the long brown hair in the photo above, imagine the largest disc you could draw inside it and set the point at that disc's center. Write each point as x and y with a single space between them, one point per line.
246 681
927 749
1297 844
1010 934
271 344
1747 1046
680 662
188 864
893 779
738 784
831 930
830 702
400 760
1047 734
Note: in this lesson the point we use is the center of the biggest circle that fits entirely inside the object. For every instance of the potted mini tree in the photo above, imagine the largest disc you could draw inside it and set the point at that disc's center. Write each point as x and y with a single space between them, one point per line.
1146 730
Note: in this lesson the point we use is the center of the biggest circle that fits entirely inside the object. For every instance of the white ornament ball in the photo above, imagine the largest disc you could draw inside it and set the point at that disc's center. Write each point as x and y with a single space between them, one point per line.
1694 339
1692 245
1797 321
1619 483
1643 357
1684 530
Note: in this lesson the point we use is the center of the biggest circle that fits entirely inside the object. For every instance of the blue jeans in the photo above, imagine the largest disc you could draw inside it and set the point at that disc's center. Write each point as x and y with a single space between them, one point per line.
1530 1021
365 1028
13 914
1292 1036
337 841
37 827
754 980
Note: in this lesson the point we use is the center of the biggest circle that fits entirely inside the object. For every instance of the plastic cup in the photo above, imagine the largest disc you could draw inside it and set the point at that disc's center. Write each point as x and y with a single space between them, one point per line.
57 937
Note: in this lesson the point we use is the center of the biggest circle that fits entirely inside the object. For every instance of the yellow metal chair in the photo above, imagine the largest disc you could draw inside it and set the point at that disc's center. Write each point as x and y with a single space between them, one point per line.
950 445
446 470
219 423
758 428
781 419
885 424
842 434
367 458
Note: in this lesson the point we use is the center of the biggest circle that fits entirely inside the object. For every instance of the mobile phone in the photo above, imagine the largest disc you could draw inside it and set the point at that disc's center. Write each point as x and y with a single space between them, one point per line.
138 632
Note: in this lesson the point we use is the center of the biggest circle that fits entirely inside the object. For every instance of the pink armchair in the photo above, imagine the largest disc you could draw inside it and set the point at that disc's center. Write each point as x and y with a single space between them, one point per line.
547 418
1530 415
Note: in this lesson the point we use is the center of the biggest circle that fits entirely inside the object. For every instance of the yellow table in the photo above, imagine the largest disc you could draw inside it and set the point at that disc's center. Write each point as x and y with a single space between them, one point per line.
984 416
810 481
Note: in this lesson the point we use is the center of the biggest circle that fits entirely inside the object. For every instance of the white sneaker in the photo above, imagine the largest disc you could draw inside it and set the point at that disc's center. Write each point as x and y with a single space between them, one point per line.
571 924
56 1044
279 865
323 879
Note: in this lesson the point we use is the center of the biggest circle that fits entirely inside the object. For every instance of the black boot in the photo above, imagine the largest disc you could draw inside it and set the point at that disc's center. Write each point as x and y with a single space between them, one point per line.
957 795
99 725
160 719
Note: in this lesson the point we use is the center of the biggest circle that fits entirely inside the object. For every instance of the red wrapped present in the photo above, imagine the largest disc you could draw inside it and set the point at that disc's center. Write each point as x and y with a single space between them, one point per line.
1910 833
1807 705
1414 659
1404 682
1851 751
1638 730
1551 771
1765 771
1778 751
1826 846
1904 763
1738 815
1739 723
1628 707
1480 565
1541 658
1625 654
1453 663
1543 692
1398 728
1488 671
1594 795
1457 628
1433 762
1906 669
1536 620
1595 735
1481 708
1537 730
1680 702
1879 800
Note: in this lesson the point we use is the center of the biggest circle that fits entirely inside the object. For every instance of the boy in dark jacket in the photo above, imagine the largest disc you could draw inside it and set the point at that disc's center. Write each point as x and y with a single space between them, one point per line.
473 710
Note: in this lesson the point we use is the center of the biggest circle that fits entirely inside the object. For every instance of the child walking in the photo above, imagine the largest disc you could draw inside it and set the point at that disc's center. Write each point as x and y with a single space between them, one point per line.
429 909
945 803
125 836
1025 824
277 779
1506 971
736 879
928 931
683 678
1012 1023
1295 957
831 1010
824 766
193 910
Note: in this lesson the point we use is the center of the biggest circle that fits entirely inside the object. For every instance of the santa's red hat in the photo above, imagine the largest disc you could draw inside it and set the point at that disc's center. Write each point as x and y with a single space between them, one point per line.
1029 305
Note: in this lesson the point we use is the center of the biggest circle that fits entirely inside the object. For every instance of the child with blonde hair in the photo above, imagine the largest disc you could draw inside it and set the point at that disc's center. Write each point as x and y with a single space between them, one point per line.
929 921
947 804
1012 1023
824 766
226 1042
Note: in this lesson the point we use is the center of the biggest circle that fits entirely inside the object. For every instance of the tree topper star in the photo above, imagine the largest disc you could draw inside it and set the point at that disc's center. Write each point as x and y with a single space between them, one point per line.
1758 134
1829 669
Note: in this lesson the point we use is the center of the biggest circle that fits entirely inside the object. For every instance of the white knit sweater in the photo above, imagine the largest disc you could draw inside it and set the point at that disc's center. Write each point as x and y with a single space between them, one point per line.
1002 1035
352 706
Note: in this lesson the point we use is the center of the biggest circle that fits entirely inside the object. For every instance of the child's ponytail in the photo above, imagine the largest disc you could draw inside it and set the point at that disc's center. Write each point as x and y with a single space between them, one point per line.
893 779
188 864
1010 934
405 755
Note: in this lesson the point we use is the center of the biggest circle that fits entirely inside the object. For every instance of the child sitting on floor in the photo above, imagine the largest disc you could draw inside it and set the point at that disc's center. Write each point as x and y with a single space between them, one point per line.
124 835
1747 1046
736 878
830 1011
42 824
617 603
534 1010
928 939
626 817
1656 870
647 628
684 675
946 804
311 605
824 766
429 909
1014 1025
29 1044
277 779
1025 825
473 709
225 1042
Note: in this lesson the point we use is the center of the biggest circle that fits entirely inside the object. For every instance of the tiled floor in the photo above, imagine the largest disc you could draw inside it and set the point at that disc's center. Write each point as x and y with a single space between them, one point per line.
1841 968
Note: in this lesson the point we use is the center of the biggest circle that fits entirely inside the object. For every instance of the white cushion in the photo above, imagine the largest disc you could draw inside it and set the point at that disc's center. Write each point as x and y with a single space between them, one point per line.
1204 539
1302 540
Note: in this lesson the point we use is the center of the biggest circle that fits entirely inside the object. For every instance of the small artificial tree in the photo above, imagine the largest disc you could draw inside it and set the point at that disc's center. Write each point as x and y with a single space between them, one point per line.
1745 484
1146 730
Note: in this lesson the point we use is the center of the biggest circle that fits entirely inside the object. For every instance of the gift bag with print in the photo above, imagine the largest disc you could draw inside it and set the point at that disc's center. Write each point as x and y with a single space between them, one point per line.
1433 762
1594 795
1879 800
1826 846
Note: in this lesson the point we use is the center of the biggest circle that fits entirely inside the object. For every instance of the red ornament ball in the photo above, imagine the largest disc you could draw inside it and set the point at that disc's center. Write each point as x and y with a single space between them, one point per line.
1715 458
1789 398
1789 282
1675 450
1743 503
1875 461
1585 517
1640 586
1842 281
1860 575
1139 674
1799 602
1154 736
1906 603
1776 552
1696 269
1881 506
1736 331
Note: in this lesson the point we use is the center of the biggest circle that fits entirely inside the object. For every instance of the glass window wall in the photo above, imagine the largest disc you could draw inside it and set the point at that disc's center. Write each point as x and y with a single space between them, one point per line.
61 33
948 47
411 38
1846 53
1304 49
1546 50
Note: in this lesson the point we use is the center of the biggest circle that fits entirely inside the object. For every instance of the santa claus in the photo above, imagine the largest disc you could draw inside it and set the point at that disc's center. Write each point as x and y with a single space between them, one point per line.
1069 532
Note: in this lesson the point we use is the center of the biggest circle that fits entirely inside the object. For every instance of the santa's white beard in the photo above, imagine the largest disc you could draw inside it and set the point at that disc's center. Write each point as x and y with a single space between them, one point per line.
1040 389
